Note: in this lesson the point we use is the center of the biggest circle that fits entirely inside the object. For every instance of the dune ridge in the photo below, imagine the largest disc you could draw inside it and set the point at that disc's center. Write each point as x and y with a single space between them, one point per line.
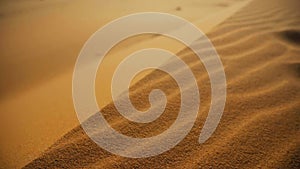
261 122
41 41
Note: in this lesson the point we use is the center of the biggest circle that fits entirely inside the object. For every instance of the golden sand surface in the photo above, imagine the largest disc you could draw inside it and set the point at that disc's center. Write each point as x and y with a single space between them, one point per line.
258 44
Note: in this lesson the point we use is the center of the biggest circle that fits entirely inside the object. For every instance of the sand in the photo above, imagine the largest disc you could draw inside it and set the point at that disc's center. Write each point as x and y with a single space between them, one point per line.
259 47
41 41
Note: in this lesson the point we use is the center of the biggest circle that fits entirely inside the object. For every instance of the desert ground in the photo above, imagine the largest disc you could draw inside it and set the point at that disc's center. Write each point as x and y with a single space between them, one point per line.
257 41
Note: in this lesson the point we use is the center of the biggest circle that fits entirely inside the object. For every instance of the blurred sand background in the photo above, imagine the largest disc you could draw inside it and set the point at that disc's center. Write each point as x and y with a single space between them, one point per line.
40 41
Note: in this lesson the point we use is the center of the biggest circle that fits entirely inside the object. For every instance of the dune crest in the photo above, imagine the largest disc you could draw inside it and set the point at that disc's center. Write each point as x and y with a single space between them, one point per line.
259 47
40 42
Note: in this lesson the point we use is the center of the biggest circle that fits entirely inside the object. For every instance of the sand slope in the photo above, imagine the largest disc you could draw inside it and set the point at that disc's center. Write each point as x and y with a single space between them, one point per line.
260 49
40 41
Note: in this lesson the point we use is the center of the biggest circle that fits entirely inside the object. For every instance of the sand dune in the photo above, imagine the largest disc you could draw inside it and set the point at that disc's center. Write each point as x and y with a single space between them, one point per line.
40 43
259 46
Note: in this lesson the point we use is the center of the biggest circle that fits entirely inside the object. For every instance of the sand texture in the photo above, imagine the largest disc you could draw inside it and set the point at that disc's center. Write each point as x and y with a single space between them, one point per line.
40 41
259 46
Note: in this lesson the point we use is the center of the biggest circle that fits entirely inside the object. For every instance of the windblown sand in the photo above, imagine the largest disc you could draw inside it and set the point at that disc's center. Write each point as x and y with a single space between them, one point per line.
260 128
40 41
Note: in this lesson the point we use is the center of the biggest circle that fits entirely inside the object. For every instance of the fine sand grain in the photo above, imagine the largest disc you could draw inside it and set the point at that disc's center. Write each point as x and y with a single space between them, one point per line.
40 41
259 47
